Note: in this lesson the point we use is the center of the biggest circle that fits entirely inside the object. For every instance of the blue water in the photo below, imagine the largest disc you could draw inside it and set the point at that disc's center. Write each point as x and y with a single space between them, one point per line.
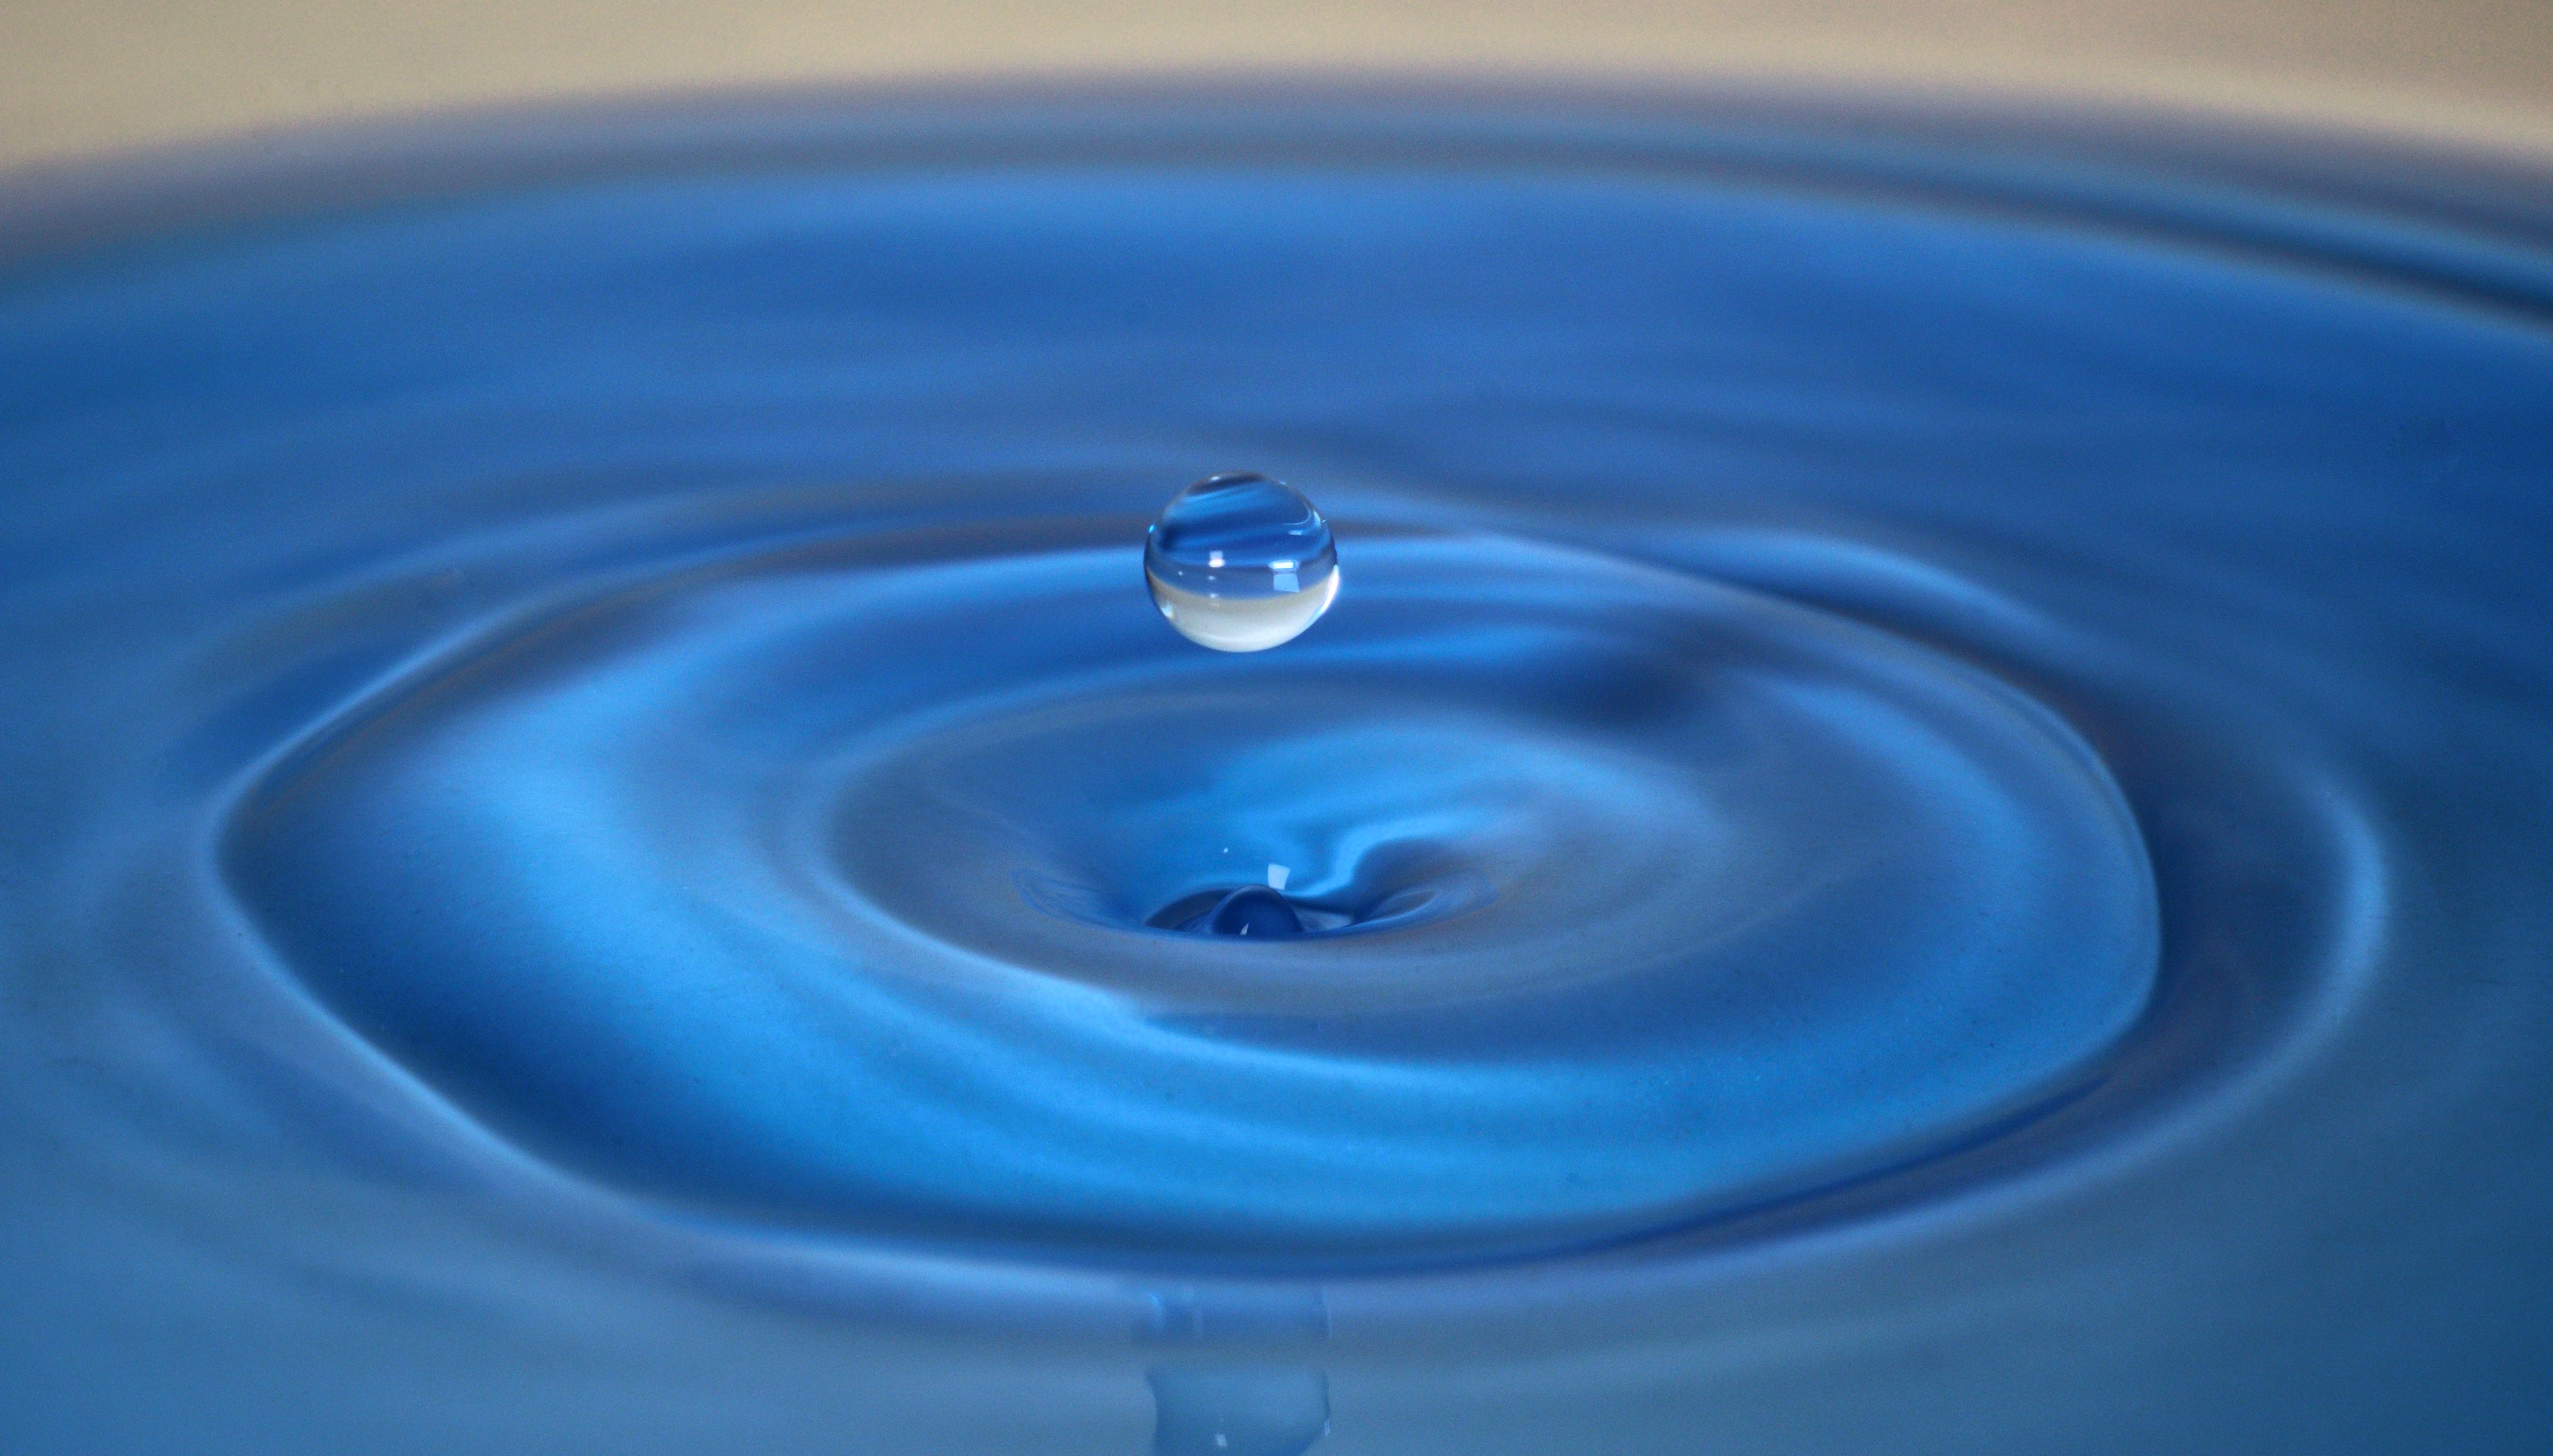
1921 827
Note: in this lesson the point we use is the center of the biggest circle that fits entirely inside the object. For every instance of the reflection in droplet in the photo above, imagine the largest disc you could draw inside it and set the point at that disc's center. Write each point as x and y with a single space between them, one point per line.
1237 1409
1241 563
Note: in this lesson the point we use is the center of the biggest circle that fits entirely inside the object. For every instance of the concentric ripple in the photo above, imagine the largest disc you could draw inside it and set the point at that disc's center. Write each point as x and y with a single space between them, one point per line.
745 888
1924 810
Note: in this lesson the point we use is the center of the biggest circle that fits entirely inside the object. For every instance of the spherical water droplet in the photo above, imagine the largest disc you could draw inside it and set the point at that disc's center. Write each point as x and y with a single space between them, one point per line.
1241 563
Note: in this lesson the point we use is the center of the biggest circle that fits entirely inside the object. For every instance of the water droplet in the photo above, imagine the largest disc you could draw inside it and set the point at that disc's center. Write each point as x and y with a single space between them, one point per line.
1237 1409
1241 563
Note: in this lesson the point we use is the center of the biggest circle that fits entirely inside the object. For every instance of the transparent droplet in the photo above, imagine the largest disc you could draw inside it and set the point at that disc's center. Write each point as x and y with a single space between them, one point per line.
1241 563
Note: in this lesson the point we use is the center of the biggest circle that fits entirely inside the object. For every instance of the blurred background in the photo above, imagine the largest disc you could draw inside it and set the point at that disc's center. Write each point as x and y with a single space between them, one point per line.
82 77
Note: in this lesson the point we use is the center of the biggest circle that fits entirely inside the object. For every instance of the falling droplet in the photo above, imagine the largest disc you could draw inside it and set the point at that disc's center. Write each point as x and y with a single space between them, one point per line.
1241 563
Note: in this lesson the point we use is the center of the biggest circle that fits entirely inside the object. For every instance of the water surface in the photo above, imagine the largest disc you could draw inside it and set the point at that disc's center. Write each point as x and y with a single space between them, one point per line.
1922 822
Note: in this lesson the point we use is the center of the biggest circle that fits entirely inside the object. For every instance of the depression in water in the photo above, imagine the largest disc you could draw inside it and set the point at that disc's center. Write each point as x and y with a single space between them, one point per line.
1241 563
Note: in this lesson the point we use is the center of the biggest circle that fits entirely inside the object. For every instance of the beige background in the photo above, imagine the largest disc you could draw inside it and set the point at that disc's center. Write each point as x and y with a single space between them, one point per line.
78 78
